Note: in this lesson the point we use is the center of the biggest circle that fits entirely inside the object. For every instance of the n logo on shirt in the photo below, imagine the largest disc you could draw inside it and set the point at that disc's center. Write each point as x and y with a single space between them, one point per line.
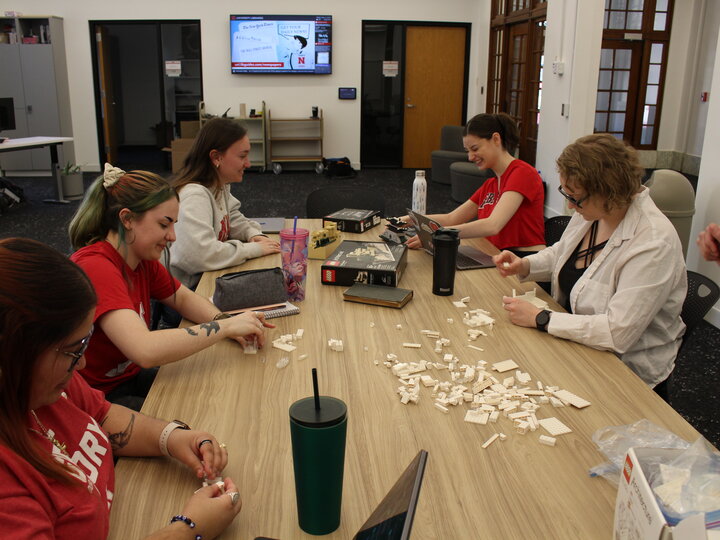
489 200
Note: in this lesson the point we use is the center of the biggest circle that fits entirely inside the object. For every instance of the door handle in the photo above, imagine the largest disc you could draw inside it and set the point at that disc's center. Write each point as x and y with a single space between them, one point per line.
29 108
410 106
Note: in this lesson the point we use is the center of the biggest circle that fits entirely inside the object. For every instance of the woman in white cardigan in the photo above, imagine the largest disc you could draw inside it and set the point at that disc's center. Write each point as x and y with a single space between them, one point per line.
211 231
618 269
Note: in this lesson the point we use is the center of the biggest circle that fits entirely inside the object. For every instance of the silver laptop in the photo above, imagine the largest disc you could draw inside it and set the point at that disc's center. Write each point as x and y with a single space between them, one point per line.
468 258
270 225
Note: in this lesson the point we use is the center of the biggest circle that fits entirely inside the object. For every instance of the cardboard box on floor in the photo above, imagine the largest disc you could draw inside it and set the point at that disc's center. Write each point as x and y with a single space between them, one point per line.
637 514
189 129
179 148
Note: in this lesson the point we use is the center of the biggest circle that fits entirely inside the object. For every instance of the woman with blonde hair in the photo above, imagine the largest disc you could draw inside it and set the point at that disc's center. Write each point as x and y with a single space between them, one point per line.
120 232
618 268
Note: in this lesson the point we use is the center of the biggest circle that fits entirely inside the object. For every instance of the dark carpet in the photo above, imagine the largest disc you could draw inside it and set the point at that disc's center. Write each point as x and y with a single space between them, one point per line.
694 390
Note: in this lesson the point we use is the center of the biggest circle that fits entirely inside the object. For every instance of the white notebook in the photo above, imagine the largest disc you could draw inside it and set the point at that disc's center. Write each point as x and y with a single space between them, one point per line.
271 311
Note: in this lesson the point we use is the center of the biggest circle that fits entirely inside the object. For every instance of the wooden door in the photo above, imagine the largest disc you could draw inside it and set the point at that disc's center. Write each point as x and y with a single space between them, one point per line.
434 89
516 76
107 97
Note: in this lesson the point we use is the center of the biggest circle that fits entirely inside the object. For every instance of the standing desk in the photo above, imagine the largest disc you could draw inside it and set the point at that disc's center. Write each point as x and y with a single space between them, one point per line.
28 143
513 489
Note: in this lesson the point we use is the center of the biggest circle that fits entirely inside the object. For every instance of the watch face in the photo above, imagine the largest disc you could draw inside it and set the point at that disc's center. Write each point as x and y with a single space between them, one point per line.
542 319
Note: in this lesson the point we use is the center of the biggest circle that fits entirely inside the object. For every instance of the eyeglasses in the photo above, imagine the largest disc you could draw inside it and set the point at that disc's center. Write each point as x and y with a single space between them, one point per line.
573 200
77 355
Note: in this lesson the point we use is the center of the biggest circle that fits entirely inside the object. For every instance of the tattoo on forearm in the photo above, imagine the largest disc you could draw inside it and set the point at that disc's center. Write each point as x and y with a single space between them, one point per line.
191 331
122 438
211 327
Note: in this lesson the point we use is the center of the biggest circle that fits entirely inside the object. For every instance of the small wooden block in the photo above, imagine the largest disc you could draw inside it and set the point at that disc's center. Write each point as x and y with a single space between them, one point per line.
547 441
505 365
554 426
571 398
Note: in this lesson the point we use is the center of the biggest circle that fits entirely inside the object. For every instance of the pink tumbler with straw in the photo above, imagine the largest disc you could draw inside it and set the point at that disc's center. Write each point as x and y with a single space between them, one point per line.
294 250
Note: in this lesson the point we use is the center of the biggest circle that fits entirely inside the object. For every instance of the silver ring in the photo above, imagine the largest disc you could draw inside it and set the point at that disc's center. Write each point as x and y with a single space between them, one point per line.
234 497
223 445
203 442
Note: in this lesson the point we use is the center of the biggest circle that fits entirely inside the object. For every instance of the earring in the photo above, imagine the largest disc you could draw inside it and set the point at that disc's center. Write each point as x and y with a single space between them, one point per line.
217 165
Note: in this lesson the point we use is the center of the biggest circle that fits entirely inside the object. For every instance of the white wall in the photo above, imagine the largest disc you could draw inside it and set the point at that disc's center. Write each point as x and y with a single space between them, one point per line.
573 37
707 200
284 95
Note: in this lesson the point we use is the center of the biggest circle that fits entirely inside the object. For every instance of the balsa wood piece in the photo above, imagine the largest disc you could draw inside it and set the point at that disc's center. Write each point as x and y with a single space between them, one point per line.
504 366
554 426
571 398
490 440
547 441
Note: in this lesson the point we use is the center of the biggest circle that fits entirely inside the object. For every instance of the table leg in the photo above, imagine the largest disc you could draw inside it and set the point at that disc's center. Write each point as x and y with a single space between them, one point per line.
55 171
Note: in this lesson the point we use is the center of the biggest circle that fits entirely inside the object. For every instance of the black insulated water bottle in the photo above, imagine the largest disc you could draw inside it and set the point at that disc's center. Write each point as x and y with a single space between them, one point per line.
445 243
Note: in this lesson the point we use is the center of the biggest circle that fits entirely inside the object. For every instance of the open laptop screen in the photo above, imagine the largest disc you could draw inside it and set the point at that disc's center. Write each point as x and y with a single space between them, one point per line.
393 517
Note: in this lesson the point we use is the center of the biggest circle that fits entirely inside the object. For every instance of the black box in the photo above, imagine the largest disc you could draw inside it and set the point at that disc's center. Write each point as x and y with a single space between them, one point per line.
354 220
376 263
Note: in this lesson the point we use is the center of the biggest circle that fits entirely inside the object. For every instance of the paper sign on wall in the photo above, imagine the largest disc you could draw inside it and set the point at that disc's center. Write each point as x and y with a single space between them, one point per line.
390 68
173 68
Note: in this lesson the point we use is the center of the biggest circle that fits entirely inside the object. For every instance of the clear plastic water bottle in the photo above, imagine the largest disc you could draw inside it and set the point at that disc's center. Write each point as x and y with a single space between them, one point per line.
419 193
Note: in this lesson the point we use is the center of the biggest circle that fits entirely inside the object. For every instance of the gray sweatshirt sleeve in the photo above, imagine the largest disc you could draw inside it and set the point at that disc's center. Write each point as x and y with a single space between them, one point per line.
197 248
241 228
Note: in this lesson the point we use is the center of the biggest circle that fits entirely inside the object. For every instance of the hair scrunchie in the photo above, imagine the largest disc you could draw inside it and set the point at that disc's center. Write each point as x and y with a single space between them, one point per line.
111 175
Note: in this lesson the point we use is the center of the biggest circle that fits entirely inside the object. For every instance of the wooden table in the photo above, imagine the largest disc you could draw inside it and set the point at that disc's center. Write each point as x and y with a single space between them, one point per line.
28 143
513 489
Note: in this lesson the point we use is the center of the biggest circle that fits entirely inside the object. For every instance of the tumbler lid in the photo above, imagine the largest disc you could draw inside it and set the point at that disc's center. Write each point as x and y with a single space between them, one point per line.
332 411
298 234
446 233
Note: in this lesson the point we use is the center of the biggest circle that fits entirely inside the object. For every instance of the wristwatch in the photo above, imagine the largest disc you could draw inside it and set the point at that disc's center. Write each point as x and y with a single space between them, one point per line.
542 320
165 435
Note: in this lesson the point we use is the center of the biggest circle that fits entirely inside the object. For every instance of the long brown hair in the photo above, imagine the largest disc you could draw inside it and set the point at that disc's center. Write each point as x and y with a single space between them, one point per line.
217 134
44 297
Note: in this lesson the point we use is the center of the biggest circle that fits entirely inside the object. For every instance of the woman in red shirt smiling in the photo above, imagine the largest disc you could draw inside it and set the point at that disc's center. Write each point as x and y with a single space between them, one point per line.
507 209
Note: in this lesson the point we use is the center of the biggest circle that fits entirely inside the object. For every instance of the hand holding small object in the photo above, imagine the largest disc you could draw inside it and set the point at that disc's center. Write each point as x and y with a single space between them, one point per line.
509 264
522 312
199 450
213 508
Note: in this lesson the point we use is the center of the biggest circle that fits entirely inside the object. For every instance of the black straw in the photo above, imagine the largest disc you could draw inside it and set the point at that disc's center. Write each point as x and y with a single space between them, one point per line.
315 389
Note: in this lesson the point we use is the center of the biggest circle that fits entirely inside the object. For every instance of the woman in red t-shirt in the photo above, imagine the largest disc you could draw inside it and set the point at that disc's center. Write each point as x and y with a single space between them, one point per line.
506 209
58 436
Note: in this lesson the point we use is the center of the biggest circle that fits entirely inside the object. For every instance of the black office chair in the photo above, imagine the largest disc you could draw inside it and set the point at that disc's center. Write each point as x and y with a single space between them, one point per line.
702 294
554 228
327 200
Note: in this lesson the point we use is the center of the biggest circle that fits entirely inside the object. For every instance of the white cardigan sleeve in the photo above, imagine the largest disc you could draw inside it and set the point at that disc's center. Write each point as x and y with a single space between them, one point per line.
642 281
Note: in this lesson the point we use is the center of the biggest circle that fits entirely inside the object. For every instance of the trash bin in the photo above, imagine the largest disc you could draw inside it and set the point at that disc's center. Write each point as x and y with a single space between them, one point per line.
72 185
674 196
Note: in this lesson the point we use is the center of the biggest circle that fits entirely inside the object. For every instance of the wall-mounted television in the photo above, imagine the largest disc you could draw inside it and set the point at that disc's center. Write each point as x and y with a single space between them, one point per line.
281 44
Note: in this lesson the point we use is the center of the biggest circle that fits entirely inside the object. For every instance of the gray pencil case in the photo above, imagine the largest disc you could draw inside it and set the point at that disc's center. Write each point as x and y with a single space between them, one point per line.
249 288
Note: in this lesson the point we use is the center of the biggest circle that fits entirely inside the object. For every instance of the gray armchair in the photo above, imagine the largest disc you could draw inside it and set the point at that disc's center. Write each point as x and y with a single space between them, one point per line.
451 150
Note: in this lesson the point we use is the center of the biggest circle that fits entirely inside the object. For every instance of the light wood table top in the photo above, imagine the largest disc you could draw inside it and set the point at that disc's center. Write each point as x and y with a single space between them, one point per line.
517 488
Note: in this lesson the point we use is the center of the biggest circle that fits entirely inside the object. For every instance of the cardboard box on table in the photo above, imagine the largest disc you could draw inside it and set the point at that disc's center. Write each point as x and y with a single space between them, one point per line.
637 513
375 263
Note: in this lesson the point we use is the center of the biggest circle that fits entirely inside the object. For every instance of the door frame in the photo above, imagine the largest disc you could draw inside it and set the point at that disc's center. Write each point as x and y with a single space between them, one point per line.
92 25
401 71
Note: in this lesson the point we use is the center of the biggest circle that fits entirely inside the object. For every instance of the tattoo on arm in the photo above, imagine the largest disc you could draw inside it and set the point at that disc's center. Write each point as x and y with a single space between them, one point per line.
122 438
211 327
191 331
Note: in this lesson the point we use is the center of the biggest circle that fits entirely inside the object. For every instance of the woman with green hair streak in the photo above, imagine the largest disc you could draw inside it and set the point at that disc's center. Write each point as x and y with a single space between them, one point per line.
120 232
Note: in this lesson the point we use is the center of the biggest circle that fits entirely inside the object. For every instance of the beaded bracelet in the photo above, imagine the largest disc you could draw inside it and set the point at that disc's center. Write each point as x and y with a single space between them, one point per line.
190 523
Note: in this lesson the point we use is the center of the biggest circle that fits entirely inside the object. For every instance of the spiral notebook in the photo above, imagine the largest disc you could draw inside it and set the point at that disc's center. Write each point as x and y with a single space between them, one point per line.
271 311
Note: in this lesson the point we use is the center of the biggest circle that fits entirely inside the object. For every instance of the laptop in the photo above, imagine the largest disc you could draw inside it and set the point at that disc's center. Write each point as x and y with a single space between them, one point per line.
468 258
270 225
392 519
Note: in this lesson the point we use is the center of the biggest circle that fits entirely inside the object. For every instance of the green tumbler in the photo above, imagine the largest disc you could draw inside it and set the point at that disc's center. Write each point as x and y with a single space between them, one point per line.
318 446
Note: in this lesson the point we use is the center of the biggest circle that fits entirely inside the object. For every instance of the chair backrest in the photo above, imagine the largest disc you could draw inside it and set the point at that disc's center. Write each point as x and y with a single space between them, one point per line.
702 294
327 200
554 227
451 138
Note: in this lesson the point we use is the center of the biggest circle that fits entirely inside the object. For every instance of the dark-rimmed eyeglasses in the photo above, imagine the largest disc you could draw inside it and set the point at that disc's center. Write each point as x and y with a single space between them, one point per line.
573 200
77 355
